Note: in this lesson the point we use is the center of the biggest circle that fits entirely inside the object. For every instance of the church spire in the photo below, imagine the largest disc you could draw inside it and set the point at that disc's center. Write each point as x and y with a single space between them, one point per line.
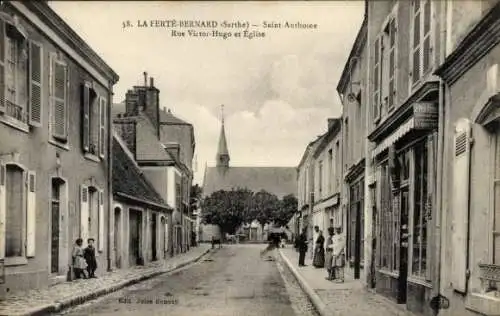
222 152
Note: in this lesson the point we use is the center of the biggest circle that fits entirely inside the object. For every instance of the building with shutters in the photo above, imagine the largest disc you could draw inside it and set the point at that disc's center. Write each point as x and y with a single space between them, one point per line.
328 174
352 92
402 95
470 222
54 146
157 140
142 218
306 188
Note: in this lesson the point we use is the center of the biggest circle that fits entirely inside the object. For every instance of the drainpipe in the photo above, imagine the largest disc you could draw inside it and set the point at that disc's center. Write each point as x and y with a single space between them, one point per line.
368 163
110 173
440 216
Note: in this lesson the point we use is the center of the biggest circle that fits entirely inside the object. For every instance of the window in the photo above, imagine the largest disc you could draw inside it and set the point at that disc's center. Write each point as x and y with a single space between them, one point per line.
496 187
385 68
93 121
347 146
421 41
18 202
420 216
59 97
320 178
388 218
15 211
178 196
335 169
331 175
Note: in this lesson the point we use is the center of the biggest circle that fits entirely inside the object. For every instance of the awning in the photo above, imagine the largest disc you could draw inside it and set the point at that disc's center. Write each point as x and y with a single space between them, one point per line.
391 139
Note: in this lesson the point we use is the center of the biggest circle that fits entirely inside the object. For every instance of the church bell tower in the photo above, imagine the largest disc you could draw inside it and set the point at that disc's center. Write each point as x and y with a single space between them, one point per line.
222 157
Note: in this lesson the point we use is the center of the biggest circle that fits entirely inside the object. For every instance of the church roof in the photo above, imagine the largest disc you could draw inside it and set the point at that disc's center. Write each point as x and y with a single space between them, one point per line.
280 181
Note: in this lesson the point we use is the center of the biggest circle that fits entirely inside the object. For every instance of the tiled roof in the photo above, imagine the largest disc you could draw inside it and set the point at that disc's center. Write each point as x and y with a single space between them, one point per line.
128 179
168 118
148 146
277 180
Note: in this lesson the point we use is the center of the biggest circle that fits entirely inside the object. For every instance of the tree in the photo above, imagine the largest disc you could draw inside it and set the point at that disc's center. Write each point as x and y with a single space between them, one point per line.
195 197
264 204
227 209
288 207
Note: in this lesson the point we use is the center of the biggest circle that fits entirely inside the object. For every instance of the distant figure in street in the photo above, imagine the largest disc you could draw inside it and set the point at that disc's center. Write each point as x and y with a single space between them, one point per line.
302 246
216 241
193 239
329 254
274 242
79 263
89 255
319 251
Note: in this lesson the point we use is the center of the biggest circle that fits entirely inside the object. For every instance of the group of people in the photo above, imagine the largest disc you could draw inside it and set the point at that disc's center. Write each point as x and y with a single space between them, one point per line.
84 259
331 256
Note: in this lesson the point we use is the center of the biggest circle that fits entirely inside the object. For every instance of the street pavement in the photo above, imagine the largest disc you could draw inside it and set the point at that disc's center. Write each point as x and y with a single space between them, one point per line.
231 281
59 296
348 298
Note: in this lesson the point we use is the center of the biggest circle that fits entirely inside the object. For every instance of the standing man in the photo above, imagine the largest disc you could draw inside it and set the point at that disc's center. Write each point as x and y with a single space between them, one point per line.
315 236
302 246
89 255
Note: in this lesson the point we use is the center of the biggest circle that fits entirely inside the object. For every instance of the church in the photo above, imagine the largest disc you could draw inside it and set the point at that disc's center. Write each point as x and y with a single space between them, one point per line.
280 181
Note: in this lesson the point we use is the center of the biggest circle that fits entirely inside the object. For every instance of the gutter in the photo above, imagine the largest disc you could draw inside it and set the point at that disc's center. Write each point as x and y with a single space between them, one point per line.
132 198
110 174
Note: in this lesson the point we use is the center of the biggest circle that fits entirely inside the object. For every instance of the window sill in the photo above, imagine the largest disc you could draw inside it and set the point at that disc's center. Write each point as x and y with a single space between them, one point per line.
389 273
12 122
486 304
91 157
59 144
15 261
418 281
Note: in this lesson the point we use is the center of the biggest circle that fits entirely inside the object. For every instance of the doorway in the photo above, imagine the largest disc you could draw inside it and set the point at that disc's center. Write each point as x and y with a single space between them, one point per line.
153 237
55 213
117 237
355 229
135 220
403 245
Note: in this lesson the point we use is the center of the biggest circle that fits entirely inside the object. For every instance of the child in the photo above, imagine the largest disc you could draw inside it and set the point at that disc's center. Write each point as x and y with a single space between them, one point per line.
89 254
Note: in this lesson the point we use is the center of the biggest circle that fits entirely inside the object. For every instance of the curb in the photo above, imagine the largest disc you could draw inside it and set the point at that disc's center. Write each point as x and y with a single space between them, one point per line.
58 306
317 302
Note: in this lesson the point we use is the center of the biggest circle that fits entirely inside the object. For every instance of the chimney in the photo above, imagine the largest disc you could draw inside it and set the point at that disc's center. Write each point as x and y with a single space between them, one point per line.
151 82
145 78
331 122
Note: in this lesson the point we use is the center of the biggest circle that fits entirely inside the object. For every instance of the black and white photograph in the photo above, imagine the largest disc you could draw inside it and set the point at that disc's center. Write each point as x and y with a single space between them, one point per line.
241 158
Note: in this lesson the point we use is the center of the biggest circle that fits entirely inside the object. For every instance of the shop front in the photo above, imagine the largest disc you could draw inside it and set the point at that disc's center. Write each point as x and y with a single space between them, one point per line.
404 163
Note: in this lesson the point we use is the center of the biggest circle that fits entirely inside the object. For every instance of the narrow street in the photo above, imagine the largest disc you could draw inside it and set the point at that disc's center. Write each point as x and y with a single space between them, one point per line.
232 281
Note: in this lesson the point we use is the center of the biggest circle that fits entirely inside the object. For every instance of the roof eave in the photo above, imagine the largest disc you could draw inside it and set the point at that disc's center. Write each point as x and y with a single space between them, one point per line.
357 47
165 207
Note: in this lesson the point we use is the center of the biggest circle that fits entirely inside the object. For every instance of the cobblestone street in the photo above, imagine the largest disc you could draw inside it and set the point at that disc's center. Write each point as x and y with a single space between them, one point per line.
25 303
231 281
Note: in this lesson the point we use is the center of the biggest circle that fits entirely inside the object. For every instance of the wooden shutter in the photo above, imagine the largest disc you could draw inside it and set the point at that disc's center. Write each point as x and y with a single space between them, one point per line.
415 40
3 208
2 66
102 126
393 61
59 99
84 212
35 87
100 242
31 215
460 204
427 45
430 209
85 116
376 78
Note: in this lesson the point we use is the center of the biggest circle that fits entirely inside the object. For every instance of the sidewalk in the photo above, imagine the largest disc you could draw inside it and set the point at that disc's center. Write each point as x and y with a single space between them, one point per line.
330 298
64 295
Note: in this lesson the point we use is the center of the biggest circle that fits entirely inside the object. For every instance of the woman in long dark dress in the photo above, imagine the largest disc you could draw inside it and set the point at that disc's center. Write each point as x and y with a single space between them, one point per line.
319 251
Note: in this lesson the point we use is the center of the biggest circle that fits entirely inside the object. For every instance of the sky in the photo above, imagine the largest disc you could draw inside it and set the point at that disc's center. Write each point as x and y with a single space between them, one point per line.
277 90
